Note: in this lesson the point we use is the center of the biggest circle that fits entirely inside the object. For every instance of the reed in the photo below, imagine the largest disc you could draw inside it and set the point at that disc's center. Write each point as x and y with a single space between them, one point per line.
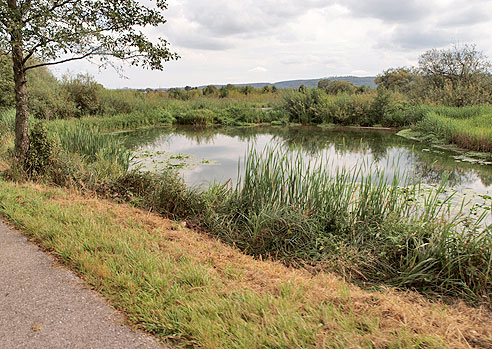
368 226
466 127
93 146
375 228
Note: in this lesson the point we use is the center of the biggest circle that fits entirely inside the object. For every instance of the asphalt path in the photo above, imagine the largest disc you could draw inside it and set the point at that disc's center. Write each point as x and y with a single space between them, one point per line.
44 305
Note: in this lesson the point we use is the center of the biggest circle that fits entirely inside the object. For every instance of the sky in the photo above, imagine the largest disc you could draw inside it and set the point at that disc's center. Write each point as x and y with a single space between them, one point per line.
243 41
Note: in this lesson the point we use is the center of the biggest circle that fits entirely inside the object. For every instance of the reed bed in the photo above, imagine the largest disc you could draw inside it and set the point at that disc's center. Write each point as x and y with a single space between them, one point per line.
92 145
370 227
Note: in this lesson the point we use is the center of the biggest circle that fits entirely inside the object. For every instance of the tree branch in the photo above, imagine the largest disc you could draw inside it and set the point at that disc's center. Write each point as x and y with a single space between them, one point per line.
91 53
67 38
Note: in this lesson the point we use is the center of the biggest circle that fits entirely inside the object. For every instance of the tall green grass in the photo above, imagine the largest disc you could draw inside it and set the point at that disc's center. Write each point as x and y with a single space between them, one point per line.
368 227
7 121
92 145
380 230
466 127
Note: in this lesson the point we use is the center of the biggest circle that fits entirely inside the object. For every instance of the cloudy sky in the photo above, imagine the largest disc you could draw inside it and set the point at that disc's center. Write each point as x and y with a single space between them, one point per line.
234 41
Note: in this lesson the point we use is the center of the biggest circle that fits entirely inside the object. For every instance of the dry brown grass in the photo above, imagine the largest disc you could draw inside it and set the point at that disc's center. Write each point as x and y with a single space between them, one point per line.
458 324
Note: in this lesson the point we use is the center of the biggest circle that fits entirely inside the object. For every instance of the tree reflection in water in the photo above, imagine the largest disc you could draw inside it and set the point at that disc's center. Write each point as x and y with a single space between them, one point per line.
342 146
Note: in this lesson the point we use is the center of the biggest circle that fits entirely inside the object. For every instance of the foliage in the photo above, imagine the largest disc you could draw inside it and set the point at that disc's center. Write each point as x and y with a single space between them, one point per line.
461 74
384 108
306 107
397 79
210 90
48 99
335 87
85 92
89 29
40 156
6 83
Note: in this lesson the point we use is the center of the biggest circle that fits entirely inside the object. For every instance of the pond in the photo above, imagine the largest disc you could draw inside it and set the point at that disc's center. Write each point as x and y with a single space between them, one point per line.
211 155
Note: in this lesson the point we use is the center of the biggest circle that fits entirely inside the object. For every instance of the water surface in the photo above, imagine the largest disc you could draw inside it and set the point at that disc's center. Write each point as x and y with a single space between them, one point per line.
211 155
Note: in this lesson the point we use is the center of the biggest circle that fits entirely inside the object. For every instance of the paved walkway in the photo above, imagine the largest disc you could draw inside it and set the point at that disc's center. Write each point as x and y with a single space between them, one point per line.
43 305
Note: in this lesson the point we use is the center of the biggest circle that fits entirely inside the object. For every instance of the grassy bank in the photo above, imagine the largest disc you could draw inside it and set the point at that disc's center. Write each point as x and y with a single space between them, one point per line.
467 127
366 228
190 290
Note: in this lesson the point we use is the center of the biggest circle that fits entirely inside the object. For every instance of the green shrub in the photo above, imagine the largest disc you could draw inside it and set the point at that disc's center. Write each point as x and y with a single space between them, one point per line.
40 157
349 110
382 107
307 107
84 92
196 117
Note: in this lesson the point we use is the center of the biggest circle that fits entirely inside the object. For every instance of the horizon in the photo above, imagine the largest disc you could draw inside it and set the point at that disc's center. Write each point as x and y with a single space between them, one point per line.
334 77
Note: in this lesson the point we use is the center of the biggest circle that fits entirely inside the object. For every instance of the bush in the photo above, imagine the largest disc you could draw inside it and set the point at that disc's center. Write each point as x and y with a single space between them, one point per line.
84 92
40 156
382 107
306 107
349 110
48 100
196 117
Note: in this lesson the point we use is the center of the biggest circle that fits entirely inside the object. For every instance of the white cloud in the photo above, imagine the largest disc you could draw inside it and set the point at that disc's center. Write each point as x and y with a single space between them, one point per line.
235 41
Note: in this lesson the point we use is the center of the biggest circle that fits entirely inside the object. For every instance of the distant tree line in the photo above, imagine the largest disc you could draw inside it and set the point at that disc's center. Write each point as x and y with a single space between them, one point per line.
227 91
459 76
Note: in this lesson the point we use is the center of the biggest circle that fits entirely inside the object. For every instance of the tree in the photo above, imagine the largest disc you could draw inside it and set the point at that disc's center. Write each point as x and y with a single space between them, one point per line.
336 86
459 76
58 31
456 65
397 79
324 83
85 92
210 90
247 90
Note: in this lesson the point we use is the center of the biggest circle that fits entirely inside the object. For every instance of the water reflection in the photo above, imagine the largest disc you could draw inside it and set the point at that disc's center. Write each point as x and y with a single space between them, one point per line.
223 148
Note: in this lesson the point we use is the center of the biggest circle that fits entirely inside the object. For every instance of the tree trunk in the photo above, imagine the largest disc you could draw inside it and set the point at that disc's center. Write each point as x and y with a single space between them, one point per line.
21 116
